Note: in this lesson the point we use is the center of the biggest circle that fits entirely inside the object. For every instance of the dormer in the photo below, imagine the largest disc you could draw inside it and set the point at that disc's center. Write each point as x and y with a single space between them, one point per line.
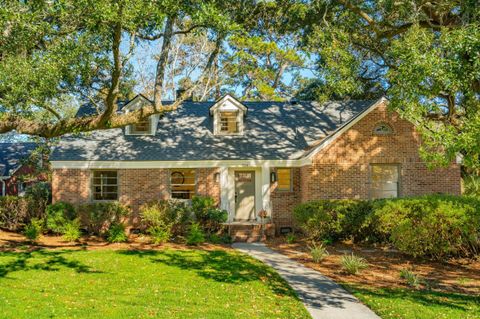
228 116
147 126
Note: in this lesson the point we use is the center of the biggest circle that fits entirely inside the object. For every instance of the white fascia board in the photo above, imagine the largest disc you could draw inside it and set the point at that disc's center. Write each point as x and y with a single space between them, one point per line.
174 164
343 129
230 99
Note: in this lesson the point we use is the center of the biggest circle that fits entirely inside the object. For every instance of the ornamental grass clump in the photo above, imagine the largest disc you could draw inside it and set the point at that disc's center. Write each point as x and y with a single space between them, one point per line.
353 264
412 279
318 252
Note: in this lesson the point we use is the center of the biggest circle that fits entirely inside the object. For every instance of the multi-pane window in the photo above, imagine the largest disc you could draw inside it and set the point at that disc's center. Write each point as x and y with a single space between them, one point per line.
142 127
105 185
228 122
284 179
384 180
182 183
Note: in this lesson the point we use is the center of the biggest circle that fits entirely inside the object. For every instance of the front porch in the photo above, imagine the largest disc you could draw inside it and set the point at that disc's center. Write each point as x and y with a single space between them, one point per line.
250 231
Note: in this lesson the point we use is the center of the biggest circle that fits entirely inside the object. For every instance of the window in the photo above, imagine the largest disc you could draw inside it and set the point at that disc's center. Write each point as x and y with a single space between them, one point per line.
284 179
228 122
105 185
182 183
142 127
384 180
382 129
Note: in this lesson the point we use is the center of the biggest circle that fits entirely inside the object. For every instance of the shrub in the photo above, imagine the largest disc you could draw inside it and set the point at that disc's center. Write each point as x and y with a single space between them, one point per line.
207 214
325 219
318 252
116 233
97 217
290 238
16 212
195 235
436 226
71 230
162 213
34 229
353 264
40 191
58 215
160 234
410 278
472 185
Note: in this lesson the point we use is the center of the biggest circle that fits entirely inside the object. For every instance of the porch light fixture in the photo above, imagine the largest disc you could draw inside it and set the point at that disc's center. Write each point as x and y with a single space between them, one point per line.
216 177
273 177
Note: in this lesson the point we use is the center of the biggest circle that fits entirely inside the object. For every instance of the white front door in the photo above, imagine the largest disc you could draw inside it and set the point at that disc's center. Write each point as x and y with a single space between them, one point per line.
244 195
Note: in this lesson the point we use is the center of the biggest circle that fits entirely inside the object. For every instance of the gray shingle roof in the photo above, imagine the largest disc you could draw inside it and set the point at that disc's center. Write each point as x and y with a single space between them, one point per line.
273 130
12 154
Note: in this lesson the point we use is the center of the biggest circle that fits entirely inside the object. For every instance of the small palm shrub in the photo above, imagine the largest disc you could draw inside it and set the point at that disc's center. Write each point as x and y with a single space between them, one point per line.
34 229
318 252
290 238
58 215
412 279
160 234
353 264
472 185
116 233
195 235
71 230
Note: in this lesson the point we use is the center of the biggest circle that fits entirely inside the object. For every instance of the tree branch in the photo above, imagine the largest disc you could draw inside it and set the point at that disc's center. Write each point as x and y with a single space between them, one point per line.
162 62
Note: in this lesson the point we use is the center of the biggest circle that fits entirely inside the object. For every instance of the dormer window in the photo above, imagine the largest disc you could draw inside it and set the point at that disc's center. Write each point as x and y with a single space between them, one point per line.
143 127
147 126
228 116
228 122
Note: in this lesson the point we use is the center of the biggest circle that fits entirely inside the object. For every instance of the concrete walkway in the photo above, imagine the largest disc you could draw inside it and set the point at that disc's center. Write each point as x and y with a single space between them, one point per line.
323 298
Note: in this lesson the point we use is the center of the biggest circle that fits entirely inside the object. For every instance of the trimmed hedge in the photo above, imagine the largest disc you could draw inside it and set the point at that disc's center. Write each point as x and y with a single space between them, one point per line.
434 226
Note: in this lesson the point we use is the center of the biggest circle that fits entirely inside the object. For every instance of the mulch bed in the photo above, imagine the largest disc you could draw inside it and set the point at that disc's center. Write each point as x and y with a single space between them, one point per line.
453 275
10 241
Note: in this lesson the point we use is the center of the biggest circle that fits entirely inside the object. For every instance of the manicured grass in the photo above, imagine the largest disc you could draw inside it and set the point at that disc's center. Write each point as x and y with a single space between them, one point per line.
417 304
142 284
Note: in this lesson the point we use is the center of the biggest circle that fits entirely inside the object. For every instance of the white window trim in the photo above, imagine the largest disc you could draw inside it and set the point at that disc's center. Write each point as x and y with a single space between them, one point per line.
290 189
399 182
128 128
195 190
92 197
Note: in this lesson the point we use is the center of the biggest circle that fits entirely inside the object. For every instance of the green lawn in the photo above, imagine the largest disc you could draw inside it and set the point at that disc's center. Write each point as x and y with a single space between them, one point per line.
417 304
142 284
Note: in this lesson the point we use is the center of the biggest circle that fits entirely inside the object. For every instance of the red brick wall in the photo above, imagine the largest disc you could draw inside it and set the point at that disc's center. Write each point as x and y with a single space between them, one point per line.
341 170
136 186
283 202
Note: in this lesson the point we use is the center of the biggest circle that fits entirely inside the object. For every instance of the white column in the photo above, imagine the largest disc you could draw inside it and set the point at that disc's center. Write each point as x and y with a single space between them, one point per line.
224 192
266 189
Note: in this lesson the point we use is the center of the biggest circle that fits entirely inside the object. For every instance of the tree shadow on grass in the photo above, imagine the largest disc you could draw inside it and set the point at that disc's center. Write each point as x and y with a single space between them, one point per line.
46 260
424 297
220 266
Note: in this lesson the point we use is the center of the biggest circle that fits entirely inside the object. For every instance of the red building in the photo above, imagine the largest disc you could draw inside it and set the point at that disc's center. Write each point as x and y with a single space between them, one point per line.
15 164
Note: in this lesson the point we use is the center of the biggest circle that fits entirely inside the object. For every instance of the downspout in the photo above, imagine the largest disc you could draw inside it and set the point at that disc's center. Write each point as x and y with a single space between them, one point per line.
3 186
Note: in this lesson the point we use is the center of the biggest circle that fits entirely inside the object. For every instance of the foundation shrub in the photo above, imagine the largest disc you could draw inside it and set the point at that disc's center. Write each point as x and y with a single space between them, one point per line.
96 218
172 216
434 226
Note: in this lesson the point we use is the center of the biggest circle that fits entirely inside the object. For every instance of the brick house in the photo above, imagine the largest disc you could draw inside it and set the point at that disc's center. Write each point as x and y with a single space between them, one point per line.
250 156
13 167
